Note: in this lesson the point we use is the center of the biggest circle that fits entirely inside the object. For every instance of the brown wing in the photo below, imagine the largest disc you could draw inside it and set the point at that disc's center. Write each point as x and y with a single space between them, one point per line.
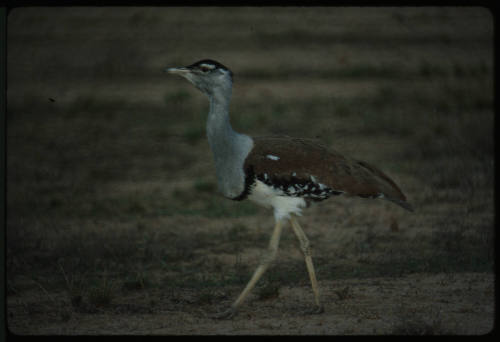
285 157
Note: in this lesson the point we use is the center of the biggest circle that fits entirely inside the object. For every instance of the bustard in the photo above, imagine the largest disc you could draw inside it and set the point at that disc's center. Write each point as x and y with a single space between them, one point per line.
278 172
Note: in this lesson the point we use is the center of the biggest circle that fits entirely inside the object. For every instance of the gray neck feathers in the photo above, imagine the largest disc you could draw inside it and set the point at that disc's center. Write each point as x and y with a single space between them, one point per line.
229 147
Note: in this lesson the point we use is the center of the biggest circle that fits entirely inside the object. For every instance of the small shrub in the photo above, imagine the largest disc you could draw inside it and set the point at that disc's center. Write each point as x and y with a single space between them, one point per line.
102 294
268 290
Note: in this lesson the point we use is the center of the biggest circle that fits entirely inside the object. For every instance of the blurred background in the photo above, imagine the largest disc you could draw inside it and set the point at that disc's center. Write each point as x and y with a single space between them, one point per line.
110 183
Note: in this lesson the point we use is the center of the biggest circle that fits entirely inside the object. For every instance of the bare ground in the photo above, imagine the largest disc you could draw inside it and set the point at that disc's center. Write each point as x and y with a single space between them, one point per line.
414 304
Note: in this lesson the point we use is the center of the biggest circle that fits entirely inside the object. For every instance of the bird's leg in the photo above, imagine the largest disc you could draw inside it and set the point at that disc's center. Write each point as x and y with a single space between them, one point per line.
270 255
306 250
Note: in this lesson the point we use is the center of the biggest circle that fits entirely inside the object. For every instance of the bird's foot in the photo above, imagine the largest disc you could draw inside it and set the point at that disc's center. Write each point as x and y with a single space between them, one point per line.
226 314
317 309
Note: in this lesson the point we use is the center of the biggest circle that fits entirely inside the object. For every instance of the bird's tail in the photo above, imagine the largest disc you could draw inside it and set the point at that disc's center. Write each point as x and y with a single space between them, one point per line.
401 203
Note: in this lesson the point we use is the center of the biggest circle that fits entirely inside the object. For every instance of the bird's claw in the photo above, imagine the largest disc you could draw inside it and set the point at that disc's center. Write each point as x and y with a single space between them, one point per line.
317 309
226 314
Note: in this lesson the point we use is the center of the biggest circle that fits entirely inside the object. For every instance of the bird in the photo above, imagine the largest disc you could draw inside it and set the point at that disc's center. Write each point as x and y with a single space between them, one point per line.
282 173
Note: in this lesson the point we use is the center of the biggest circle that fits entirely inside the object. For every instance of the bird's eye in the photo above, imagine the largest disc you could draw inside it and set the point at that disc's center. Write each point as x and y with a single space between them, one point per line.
204 68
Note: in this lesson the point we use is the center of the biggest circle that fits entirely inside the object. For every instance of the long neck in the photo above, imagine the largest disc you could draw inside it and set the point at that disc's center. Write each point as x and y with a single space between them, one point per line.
219 130
229 147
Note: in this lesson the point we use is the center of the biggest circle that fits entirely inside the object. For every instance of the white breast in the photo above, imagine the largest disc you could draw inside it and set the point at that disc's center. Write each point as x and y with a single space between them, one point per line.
270 197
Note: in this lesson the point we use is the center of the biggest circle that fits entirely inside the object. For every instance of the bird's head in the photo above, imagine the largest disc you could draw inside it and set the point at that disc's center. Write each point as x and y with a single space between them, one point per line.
207 75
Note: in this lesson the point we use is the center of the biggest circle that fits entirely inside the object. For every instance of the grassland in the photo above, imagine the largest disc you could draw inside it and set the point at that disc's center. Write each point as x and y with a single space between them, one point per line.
114 225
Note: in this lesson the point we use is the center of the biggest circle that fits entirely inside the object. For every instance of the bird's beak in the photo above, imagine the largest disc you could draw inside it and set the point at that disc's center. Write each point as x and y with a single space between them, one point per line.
182 71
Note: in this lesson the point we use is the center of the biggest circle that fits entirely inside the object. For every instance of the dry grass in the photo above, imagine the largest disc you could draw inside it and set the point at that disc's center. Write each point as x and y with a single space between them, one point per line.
111 201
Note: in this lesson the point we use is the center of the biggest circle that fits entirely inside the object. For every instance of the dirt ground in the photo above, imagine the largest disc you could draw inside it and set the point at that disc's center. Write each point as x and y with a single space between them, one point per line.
114 224
415 304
